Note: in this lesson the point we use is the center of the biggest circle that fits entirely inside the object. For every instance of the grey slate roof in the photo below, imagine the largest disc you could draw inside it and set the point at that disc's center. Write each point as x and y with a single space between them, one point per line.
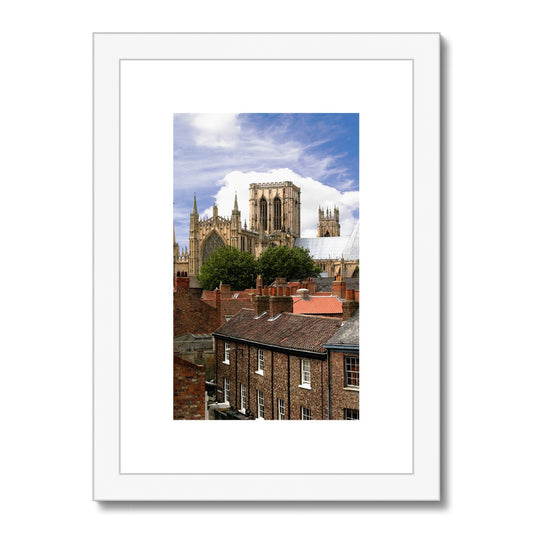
348 333
325 284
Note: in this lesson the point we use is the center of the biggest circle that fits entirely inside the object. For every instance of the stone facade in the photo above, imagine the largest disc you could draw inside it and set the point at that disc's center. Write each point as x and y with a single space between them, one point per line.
275 208
328 223
275 220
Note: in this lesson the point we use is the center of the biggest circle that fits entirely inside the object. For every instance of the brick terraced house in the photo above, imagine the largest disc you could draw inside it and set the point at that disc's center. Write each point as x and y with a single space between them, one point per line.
272 364
343 356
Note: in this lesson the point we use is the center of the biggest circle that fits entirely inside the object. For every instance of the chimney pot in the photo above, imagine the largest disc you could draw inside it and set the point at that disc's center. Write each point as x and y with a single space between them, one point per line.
304 294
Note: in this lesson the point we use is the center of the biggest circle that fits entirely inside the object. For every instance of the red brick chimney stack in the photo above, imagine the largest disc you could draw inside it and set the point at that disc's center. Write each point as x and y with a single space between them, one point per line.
351 304
311 285
261 304
338 288
181 284
280 298
225 290
280 304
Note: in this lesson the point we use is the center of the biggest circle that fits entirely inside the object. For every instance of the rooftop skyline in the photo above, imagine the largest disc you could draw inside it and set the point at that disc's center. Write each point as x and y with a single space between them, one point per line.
218 155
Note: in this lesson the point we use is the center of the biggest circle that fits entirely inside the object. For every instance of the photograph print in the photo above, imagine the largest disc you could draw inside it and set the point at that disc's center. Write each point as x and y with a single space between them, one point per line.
266 266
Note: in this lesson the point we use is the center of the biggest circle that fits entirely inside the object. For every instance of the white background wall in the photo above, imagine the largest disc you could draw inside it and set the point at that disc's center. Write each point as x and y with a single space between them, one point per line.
45 291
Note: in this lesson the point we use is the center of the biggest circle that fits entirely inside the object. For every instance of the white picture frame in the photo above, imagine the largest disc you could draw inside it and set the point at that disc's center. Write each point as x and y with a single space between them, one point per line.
421 480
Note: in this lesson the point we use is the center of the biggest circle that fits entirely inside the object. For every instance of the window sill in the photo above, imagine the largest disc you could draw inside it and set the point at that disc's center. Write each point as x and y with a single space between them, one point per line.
353 389
226 362
260 372
305 386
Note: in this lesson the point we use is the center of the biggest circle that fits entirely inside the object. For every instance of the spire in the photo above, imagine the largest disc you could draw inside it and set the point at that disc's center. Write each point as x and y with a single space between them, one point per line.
235 211
194 208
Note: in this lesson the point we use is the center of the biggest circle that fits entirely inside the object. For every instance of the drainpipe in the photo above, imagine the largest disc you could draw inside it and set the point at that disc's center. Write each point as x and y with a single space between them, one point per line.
288 387
216 371
328 383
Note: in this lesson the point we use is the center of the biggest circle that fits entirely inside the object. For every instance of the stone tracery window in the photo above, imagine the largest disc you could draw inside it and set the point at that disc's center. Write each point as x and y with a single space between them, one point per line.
277 214
212 243
263 213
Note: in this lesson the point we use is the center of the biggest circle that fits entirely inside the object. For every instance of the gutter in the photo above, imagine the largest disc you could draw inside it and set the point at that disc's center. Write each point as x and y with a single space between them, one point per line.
342 347
277 348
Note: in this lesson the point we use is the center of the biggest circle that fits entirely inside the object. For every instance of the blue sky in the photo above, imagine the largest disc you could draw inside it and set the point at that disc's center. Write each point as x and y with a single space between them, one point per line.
216 155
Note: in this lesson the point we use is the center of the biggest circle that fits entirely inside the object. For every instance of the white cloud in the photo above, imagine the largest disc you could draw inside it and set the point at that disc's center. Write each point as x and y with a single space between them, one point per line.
215 130
313 195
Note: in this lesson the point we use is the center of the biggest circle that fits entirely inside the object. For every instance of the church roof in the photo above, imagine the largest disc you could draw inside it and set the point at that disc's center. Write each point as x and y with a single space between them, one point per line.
332 247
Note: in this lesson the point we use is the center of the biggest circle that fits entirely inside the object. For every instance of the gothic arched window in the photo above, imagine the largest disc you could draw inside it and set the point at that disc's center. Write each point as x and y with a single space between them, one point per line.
263 213
212 243
277 214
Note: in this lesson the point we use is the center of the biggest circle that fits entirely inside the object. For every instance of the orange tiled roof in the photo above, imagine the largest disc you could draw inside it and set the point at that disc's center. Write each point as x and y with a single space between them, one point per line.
317 305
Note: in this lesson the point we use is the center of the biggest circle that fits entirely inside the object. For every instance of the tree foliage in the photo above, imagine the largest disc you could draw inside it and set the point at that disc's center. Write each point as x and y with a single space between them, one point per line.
284 262
227 265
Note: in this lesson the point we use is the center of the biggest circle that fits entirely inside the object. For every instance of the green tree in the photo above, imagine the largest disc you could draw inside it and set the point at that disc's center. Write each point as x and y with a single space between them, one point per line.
227 265
284 262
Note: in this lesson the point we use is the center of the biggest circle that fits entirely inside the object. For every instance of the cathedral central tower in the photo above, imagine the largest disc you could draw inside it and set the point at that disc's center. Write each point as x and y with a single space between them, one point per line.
275 208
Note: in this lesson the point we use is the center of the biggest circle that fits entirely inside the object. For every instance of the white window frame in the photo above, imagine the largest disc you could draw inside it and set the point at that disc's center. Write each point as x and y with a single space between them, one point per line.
260 362
281 409
305 411
227 349
305 373
243 398
354 373
260 404
355 411
226 390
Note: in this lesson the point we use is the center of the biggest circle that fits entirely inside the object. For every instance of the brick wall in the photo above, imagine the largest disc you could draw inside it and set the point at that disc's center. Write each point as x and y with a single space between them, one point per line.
313 398
200 357
341 397
189 390
280 380
192 315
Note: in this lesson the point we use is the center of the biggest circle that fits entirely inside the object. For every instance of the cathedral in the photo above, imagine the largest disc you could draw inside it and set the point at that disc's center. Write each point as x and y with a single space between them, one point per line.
274 221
